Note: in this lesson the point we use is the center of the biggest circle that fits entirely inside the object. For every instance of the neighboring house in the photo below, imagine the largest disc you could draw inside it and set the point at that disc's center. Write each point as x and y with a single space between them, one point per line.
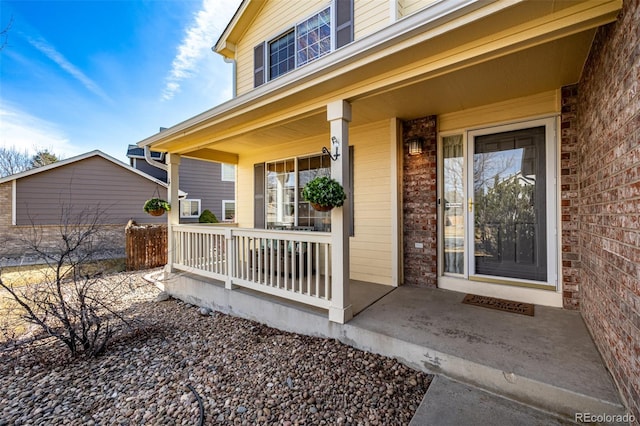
439 100
209 185
47 197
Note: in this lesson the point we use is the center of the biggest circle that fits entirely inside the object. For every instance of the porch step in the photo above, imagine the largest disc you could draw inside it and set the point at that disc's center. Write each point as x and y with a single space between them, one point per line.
547 361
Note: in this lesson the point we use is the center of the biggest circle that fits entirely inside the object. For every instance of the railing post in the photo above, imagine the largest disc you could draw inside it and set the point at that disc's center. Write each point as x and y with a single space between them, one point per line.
229 259
340 311
173 216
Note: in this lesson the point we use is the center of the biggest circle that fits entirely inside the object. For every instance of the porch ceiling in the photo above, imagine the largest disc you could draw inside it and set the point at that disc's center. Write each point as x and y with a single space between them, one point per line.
426 70
545 67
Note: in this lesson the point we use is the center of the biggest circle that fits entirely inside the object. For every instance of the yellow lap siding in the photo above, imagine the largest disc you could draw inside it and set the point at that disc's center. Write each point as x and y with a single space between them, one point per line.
370 16
371 248
408 7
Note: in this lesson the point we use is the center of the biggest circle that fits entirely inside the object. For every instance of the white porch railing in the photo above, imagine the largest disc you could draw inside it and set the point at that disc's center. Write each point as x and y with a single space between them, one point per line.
290 264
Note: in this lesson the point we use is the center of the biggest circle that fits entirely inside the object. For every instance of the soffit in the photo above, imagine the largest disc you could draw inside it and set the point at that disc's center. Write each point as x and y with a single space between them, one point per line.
413 76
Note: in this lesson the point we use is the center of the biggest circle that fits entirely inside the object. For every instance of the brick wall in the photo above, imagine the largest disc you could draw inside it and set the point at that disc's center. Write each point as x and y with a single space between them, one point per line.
5 205
419 199
569 196
609 209
17 239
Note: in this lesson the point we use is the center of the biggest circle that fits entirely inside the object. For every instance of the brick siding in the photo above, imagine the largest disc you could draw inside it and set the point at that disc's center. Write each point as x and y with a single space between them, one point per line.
419 197
16 240
5 203
569 198
609 210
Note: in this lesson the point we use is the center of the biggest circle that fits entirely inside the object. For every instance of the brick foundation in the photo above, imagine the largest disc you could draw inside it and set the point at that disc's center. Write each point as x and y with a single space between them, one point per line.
420 212
608 143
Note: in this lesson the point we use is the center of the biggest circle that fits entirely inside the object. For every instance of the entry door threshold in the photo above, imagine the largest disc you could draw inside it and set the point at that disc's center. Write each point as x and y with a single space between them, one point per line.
543 295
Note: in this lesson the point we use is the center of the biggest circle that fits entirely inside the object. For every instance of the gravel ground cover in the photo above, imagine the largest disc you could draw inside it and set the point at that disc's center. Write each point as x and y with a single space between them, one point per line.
177 360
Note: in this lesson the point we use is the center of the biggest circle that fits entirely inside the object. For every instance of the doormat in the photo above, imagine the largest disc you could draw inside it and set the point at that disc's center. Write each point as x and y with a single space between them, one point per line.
499 304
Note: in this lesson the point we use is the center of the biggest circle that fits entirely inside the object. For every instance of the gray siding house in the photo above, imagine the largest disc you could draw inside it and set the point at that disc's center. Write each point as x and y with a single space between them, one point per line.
208 185
47 196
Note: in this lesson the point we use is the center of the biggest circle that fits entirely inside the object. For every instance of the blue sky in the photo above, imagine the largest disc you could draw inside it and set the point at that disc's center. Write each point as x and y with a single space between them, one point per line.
82 75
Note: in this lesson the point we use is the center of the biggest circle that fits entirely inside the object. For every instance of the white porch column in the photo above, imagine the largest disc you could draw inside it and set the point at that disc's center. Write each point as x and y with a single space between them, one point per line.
339 116
173 216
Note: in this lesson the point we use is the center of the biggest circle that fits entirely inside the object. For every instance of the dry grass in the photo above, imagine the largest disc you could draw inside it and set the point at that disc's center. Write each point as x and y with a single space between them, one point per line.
11 325
18 276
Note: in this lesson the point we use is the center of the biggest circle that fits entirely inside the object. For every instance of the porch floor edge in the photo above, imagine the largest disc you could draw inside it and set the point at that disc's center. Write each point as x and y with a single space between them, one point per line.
408 324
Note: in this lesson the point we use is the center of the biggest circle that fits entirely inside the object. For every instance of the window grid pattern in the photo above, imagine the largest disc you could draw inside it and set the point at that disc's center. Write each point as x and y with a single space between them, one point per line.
282 55
313 37
284 204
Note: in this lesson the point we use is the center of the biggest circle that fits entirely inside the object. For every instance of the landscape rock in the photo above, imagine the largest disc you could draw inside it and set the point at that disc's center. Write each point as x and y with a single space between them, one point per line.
244 372
162 297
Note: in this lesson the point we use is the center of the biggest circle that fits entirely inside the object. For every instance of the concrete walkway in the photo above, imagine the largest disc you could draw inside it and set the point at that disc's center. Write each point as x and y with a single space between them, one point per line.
450 403
547 361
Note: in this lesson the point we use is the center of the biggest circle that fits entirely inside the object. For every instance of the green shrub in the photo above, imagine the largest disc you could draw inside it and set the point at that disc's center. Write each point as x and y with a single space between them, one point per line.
207 216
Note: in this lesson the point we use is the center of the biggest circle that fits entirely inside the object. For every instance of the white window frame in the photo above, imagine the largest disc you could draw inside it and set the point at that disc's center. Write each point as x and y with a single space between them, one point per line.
191 200
230 174
224 210
294 28
297 200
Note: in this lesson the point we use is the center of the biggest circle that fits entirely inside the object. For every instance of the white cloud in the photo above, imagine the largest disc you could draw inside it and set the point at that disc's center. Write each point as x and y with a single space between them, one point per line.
43 46
26 132
201 34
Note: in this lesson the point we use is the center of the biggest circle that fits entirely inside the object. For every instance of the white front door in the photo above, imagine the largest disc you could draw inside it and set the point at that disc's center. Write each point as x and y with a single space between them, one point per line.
497 199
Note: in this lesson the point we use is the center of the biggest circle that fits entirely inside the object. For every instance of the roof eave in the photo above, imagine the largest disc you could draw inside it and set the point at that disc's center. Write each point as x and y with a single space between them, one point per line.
246 12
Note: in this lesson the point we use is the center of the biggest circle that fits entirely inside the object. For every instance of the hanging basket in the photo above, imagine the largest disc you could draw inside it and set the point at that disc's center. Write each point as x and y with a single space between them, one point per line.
156 206
319 208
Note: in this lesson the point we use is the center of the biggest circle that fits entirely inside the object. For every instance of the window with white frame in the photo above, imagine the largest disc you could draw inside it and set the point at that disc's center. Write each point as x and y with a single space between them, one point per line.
282 57
229 210
284 205
313 37
306 41
189 208
228 172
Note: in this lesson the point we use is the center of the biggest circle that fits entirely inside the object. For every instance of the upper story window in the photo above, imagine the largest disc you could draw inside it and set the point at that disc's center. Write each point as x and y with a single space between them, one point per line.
282 57
313 37
329 29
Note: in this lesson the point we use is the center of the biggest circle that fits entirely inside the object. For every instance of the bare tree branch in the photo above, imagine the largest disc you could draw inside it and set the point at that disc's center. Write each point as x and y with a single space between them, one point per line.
70 304
13 161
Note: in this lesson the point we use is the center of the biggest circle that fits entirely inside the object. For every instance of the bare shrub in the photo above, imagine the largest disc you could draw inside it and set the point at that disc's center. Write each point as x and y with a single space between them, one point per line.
70 301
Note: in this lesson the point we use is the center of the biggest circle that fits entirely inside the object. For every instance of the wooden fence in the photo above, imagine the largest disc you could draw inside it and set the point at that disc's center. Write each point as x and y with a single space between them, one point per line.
146 246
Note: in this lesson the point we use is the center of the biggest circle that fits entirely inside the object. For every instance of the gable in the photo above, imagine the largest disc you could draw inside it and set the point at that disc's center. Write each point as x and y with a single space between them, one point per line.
91 183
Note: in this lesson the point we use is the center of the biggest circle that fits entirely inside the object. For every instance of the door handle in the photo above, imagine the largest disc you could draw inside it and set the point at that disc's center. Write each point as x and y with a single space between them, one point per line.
470 204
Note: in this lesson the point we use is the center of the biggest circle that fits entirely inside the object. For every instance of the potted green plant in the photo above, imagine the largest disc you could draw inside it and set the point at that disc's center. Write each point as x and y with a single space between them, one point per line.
324 193
156 206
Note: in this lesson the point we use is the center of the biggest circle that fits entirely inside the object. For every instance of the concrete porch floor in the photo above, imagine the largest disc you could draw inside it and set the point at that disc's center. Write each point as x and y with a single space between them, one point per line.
547 361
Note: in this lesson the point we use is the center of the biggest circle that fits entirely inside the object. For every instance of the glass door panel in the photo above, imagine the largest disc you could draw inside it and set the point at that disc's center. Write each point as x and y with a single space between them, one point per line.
508 209
453 204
